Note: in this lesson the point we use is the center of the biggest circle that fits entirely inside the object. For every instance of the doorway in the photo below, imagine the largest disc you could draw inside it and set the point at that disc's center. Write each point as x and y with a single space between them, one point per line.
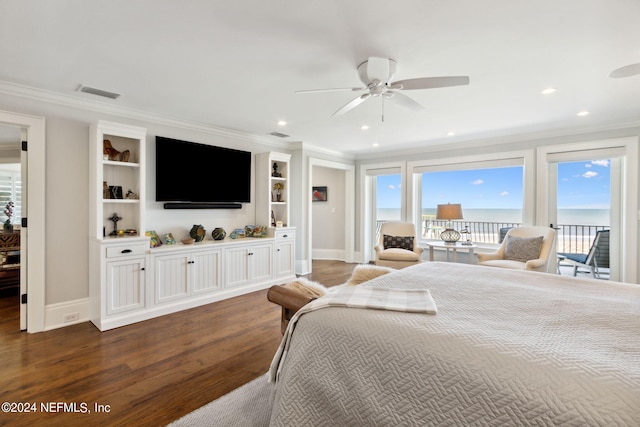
621 158
32 262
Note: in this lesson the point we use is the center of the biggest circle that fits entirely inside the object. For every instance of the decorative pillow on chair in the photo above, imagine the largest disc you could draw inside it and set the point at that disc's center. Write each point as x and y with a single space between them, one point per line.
402 242
523 248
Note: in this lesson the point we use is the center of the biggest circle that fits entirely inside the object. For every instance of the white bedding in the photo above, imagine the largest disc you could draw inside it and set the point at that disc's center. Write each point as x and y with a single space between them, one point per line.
505 348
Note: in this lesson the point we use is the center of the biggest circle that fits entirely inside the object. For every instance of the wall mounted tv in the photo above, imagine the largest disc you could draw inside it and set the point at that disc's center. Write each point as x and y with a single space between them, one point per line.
199 176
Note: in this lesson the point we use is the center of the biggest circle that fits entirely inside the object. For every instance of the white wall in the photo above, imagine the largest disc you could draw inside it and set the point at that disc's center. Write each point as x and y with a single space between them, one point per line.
328 226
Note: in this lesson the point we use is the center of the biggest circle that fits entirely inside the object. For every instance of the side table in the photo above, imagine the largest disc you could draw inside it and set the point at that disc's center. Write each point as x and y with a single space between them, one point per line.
451 247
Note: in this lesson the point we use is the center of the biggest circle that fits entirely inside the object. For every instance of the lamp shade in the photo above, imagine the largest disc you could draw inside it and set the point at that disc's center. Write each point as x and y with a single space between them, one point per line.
449 211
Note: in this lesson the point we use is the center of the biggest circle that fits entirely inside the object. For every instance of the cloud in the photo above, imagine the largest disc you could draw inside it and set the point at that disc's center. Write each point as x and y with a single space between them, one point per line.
588 165
504 193
590 174
391 187
603 163
477 182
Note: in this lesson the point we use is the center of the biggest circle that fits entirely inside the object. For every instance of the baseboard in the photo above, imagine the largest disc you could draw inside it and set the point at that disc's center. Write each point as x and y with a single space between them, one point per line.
328 254
66 313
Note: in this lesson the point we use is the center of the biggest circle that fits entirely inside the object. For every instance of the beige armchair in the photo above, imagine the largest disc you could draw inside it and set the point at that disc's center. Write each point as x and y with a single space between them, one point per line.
400 247
523 248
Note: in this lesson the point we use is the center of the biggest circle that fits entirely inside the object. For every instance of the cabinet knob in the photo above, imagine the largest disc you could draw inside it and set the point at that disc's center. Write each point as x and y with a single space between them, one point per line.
284 236
250 253
142 269
278 250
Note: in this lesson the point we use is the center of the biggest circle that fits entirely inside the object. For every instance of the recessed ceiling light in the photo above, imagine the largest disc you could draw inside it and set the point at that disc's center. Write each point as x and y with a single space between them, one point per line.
282 123
364 127
549 91
583 113
375 144
450 133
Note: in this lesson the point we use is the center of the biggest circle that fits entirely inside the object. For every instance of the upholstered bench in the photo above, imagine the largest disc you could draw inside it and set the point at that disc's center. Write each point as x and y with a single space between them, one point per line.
295 295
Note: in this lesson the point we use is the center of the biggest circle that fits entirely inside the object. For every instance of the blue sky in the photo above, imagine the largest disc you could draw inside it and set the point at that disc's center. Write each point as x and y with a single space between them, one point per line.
580 185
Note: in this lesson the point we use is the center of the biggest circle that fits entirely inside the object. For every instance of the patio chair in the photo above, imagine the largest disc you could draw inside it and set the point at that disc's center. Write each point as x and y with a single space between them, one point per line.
596 259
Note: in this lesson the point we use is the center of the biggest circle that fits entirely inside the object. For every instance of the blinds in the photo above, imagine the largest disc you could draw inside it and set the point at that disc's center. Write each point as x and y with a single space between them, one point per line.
11 190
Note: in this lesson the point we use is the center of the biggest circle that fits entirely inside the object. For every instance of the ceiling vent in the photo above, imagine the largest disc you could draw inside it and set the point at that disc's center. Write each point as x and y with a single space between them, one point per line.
279 135
98 92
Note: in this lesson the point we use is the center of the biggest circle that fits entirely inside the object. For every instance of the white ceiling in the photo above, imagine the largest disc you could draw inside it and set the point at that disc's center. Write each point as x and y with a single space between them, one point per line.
237 64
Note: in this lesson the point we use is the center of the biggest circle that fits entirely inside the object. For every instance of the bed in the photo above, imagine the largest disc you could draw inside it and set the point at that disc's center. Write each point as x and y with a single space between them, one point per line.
505 348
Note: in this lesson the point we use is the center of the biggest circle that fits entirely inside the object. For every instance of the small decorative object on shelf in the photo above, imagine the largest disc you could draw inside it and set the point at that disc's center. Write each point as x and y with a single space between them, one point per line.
188 240
106 193
116 192
255 231
275 173
238 233
278 186
131 195
169 239
8 211
108 150
197 232
154 239
124 156
218 233
115 218
131 232
273 219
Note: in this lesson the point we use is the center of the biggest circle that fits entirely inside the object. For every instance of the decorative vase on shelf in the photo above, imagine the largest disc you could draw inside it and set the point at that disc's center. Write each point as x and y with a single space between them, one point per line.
278 196
218 233
8 228
197 232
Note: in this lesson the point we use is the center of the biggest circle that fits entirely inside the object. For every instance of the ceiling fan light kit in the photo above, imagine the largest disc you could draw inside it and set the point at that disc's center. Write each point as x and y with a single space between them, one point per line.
376 74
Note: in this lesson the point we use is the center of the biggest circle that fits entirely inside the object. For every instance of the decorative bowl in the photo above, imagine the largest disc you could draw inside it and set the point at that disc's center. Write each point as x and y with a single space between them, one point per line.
188 240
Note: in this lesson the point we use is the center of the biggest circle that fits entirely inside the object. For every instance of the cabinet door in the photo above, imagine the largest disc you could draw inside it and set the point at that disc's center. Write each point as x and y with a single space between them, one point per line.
205 271
171 277
284 259
261 261
125 285
236 265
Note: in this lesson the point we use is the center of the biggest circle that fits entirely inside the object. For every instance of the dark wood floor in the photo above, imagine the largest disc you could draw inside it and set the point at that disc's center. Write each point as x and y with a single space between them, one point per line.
146 374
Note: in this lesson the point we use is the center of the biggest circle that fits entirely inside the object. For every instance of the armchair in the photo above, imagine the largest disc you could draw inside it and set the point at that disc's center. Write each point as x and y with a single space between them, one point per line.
523 248
397 245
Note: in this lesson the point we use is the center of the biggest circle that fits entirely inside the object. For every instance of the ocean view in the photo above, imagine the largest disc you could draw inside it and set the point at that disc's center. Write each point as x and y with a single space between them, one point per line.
565 216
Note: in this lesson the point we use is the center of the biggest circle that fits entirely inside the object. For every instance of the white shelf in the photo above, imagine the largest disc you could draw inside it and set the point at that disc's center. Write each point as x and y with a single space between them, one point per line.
117 163
124 201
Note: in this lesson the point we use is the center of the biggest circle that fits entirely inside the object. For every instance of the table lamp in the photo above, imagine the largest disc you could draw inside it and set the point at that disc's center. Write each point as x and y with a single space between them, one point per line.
449 212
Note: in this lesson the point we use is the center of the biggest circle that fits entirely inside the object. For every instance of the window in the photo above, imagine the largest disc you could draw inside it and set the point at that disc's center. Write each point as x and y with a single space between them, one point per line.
491 194
11 190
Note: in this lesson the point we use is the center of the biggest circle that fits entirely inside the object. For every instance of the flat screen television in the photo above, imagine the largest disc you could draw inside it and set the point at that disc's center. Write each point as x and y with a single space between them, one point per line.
193 175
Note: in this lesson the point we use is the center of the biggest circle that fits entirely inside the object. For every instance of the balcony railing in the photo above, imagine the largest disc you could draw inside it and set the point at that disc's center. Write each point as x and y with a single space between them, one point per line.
574 238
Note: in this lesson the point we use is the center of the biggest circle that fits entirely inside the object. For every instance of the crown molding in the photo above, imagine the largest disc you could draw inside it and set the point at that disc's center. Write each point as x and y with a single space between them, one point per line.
110 108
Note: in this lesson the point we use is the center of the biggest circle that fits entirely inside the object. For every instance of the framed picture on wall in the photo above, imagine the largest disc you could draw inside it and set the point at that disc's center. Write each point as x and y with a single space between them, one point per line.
319 194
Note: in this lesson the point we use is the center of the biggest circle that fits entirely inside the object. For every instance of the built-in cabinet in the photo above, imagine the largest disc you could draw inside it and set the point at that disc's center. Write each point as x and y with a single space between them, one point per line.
131 282
272 188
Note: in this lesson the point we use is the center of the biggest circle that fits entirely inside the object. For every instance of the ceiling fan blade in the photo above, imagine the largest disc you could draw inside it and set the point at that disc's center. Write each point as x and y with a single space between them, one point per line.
354 89
626 71
352 104
430 82
378 69
405 101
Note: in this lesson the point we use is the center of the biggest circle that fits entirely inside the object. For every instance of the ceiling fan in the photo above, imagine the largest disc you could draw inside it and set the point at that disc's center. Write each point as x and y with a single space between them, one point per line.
376 74
626 71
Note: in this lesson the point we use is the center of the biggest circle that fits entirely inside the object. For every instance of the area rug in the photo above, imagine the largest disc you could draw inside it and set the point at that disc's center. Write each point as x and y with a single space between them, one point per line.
246 406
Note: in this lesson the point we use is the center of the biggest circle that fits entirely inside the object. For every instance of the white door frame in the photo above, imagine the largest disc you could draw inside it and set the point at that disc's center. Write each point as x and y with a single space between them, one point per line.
34 234
628 204
349 214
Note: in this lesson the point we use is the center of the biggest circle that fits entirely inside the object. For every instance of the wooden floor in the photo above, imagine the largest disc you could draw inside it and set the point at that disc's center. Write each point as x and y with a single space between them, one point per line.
146 374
